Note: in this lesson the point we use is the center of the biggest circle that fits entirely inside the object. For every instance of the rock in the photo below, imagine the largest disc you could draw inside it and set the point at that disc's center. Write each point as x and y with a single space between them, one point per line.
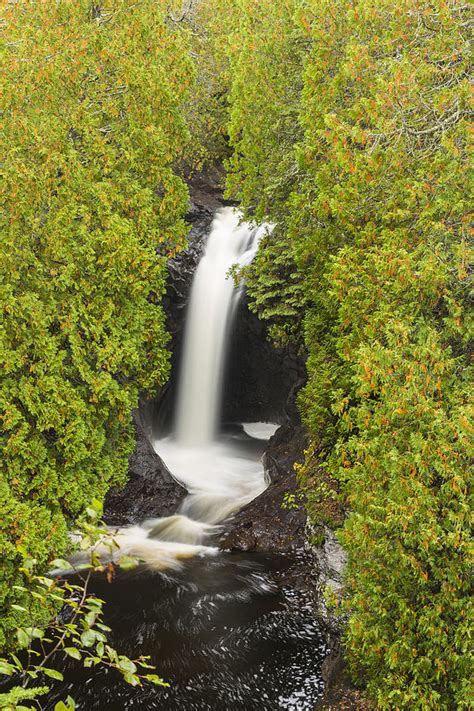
259 377
284 449
264 524
150 491
340 694
330 560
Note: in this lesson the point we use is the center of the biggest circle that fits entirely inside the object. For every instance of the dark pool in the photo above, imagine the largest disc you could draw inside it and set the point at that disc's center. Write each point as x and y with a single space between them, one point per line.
224 631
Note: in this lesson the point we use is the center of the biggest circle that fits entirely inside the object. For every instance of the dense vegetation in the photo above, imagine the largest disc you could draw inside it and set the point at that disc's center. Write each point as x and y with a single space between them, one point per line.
348 123
92 101
345 122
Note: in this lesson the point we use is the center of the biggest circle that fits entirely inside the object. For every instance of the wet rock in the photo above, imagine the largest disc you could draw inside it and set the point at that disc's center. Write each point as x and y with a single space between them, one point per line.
150 491
340 693
284 449
266 523
259 377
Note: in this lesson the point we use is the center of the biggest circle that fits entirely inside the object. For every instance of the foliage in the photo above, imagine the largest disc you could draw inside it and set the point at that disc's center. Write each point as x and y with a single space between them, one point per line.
347 122
367 186
386 150
77 631
207 106
92 97
265 52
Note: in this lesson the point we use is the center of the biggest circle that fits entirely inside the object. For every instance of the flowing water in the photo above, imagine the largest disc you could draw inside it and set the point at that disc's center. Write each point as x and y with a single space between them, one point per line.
209 320
222 628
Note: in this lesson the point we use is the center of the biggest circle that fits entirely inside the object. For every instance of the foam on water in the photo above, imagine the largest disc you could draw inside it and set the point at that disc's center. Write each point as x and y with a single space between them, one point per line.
260 430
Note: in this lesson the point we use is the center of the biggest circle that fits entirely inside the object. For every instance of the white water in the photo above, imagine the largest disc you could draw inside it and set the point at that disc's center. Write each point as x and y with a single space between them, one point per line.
260 430
220 476
208 324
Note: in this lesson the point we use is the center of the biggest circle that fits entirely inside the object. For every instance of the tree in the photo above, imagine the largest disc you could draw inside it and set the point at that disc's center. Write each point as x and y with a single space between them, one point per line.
367 186
92 209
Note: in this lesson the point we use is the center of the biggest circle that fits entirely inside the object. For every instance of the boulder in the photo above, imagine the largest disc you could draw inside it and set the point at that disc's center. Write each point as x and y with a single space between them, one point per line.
272 522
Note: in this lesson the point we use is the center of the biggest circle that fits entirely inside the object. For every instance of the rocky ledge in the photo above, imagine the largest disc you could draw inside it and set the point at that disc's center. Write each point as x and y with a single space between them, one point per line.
274 521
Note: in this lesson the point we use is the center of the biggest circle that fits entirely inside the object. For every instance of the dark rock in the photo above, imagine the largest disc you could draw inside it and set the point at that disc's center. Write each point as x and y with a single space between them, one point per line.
259 378
265 524
150 491
340 693
284 449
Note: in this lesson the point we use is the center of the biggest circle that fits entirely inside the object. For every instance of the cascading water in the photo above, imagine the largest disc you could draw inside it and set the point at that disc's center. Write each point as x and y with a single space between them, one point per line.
209 320
220 478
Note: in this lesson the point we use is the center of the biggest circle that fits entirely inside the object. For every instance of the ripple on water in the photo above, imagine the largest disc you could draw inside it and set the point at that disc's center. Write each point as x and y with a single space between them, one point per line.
221 631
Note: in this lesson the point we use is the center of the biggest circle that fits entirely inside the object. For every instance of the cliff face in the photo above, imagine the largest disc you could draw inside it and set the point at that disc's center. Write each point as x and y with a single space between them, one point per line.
150 491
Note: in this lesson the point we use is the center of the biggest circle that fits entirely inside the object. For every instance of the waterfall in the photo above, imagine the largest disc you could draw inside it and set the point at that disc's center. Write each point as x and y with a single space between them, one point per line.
229 631
214 298
220 474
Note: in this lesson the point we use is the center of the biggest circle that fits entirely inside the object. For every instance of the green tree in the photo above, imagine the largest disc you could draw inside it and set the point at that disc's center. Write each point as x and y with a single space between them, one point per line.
369 264
386 153
92 208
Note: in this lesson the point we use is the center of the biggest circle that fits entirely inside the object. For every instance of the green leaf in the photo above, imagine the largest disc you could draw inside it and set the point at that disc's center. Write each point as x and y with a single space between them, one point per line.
88 638
92 513
7 668
24 639
126 664
61 564
72 652
126 562
155 679
68 706
18 608
132 679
